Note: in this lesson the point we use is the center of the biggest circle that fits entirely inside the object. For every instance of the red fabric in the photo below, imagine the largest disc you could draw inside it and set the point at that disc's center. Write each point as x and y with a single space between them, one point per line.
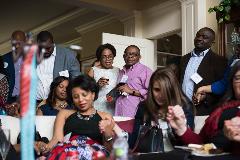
126 125
210 127
211 124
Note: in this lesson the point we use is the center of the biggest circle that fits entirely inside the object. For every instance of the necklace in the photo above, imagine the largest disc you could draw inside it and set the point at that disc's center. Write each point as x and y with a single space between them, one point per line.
63 105
86 117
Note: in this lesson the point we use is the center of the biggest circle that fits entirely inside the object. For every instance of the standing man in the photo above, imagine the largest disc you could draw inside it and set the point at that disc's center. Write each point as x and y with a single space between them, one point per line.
57 61
12 65
201 67
136 77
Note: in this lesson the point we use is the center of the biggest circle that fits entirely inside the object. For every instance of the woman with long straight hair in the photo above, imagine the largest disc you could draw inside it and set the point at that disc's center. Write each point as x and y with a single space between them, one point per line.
164 90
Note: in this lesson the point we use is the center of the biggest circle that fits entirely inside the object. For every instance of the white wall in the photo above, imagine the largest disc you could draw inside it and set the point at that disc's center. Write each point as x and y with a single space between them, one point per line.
92 39
161 19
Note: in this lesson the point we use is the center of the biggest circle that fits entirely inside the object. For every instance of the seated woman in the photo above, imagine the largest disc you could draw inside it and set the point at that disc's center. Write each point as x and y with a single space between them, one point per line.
212 131
57 98
164 90
91 130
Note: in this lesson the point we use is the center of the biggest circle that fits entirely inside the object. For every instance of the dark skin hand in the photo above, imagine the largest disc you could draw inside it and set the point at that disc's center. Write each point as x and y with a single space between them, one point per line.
103 81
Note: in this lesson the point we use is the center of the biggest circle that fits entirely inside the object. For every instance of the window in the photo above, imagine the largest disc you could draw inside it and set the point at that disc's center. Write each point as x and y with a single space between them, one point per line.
169 50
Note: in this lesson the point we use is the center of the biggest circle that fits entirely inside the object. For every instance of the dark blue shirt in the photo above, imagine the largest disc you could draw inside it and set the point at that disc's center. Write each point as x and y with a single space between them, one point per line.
219 87
48 110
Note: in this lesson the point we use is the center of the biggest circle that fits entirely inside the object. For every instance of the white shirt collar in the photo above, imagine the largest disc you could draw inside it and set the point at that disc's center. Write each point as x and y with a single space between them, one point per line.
203 53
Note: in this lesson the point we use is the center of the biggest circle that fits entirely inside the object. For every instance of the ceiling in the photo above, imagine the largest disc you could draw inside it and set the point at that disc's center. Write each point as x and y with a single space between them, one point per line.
61 17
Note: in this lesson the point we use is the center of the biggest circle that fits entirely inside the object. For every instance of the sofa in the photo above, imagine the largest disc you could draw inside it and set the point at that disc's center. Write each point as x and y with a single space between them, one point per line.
44 125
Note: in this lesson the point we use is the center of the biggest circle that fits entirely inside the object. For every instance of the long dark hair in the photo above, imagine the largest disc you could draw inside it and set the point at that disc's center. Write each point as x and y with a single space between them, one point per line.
52 95
229 94
170 88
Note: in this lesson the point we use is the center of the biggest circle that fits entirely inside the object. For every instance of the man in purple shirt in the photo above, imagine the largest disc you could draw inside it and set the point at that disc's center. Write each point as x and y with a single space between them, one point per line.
12 64
136 77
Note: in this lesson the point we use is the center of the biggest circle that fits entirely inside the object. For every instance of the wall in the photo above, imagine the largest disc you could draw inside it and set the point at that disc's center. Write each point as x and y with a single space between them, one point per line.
92 39
211 19
161 19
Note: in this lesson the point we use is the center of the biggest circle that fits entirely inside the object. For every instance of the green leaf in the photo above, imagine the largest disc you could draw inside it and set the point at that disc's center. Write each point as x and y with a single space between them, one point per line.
227 17
210 10
220 8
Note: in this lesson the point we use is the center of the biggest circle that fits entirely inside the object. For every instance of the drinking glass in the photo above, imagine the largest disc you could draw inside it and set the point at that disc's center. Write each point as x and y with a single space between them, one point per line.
4 142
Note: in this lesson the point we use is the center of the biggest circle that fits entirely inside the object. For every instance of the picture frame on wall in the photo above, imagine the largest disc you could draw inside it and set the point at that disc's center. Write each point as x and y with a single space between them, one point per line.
86 64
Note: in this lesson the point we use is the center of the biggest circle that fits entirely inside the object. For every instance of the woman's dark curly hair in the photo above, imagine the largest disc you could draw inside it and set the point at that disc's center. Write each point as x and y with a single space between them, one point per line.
84 82
105 46
53 87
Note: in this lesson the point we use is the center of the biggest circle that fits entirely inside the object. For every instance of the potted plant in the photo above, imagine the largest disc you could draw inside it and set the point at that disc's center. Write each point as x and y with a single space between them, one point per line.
224 9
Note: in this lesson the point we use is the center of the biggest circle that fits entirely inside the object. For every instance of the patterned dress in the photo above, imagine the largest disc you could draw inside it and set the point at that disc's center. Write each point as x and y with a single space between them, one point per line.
101 103
86 138
4 89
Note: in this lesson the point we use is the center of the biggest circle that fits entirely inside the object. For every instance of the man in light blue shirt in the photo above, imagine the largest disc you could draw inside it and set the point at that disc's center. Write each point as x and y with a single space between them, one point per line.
200 67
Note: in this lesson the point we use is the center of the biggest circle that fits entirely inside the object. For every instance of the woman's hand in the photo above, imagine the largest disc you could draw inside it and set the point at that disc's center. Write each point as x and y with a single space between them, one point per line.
201 93
41 147
106 127
232 129
177 119
103 81
13 109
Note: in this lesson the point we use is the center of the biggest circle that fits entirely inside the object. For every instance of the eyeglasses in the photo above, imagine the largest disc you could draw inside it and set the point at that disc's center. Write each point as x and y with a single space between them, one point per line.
107 57
130 54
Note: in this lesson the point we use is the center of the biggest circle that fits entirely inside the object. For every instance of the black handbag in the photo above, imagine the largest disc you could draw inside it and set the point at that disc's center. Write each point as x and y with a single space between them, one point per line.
150 139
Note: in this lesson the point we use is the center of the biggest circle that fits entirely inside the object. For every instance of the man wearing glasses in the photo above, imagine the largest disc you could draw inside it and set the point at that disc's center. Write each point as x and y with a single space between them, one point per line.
57 61
133 83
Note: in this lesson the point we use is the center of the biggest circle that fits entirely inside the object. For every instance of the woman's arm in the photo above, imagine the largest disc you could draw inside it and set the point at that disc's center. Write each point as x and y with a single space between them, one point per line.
106 127
58 134
39 112
177 120
91 72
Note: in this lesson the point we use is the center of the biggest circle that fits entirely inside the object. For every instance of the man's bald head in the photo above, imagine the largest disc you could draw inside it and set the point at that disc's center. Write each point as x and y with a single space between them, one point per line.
19 36
18 40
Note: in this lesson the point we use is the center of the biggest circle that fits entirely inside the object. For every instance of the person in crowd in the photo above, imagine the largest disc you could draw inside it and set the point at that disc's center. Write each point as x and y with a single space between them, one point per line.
86 125
4 88
12 65
106 76
164 90
212 131
57 61
134 79
57 98
219 87
232 129
202 67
